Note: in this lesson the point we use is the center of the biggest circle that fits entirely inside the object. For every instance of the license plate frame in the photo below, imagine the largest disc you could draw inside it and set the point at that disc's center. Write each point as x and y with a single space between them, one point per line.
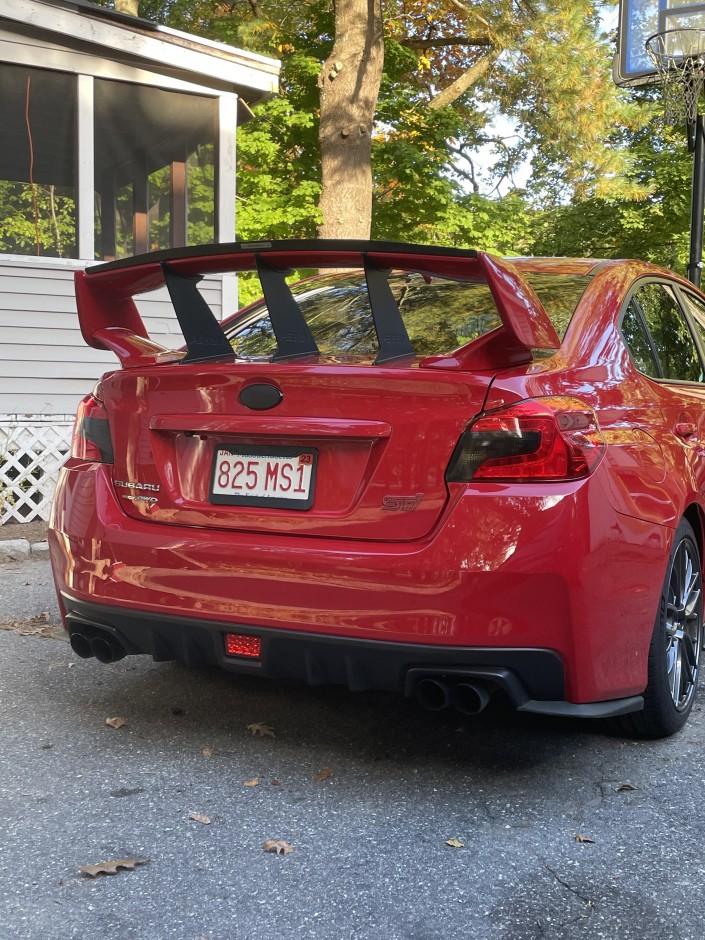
257 452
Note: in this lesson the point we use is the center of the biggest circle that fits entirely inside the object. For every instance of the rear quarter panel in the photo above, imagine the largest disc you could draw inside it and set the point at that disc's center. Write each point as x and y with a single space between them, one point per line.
647 472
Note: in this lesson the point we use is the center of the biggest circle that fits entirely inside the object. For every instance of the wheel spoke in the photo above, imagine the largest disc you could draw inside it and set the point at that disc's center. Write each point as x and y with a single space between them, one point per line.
689 659
675 673
687 575
679 580
693 600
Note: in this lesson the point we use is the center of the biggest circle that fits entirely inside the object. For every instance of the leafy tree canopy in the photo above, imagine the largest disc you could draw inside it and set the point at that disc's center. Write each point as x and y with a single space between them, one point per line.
451 68
607 177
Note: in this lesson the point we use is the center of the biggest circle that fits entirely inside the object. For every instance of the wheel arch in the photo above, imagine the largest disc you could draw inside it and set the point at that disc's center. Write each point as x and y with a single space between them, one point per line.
694 515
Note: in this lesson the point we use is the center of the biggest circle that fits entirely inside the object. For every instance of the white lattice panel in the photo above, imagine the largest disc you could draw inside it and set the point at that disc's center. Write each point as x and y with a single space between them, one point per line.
31 455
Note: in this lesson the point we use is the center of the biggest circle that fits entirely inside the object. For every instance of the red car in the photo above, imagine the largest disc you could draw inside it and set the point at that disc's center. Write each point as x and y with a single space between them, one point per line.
432 471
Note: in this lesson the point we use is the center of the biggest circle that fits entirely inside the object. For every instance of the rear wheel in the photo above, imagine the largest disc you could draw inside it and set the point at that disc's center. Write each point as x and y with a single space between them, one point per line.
674 655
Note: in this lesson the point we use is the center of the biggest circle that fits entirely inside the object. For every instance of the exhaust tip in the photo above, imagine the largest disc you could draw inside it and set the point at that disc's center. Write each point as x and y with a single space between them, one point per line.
106 649
432 694
81 645
470 699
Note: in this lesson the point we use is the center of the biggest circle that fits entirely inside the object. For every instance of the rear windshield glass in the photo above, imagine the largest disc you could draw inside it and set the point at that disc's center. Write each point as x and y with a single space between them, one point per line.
439 314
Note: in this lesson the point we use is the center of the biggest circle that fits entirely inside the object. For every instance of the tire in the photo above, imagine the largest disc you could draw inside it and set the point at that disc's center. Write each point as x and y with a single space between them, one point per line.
674 653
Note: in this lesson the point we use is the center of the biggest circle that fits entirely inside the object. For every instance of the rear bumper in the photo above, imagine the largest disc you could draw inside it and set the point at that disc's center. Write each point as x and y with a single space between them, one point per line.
532 679
511 570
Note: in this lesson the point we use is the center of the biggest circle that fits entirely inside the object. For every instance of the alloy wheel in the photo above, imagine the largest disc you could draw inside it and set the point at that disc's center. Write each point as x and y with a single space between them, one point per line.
684 624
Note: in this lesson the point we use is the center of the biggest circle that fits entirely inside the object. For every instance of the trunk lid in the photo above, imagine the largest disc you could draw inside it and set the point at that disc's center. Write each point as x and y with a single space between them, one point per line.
364 388
382 439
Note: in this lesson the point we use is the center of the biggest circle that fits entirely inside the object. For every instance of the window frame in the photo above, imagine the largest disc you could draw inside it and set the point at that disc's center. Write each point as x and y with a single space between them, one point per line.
699 346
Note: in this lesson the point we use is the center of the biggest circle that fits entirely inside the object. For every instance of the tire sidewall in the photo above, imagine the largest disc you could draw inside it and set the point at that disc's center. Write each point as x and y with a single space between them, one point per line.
659 706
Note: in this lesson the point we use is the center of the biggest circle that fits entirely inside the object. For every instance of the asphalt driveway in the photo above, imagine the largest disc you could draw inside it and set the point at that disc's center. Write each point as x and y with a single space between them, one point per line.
564 831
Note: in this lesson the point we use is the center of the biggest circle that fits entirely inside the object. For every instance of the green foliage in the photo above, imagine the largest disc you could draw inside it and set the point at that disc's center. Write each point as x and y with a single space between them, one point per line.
201 192
52 232
655 228
555 82
607 178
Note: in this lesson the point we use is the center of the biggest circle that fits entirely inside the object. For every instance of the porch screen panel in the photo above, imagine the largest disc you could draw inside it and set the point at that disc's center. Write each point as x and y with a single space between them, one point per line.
154 169
38 160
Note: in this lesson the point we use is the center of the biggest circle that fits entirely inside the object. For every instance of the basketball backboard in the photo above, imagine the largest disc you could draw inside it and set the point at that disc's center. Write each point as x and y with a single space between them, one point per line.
640 19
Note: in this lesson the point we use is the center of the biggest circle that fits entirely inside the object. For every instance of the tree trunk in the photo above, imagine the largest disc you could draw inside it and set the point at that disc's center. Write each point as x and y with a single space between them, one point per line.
349 84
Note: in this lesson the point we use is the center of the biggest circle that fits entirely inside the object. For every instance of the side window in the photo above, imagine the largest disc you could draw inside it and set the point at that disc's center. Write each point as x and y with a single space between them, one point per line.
637 340
696 309
670 333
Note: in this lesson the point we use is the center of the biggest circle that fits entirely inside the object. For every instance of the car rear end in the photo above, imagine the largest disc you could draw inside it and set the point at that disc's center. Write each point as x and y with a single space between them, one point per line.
313 489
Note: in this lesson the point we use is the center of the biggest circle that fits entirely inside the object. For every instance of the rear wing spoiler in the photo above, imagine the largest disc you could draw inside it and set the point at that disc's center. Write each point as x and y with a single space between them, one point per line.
109 317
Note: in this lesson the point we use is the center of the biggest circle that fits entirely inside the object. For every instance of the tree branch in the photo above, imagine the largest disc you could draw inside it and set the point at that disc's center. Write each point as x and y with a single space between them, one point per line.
449 41
469 11
461 85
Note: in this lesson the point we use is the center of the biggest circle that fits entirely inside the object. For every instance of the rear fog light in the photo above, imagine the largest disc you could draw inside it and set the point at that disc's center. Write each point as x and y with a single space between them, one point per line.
237 644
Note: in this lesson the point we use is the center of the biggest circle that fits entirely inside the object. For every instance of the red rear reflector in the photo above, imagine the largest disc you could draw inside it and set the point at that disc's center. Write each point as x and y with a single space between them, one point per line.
237 644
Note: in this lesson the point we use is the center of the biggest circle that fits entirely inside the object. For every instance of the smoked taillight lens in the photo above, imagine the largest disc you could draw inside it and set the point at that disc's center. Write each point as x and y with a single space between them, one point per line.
91 432
535 440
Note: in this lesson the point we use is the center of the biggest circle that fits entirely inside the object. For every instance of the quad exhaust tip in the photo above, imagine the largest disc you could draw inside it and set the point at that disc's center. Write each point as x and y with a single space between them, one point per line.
468 698
101 644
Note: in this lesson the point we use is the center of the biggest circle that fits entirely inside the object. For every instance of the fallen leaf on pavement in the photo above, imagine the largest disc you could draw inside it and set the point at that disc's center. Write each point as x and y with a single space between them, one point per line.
261 729
116 722
205 820
40 618
207 751
111 868
625 788
582 838
276 783
32 627
323 774
252 782
279 846
455 843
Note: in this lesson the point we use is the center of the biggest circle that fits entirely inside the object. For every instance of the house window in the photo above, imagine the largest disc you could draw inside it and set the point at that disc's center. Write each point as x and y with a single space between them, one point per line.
154 169
37 162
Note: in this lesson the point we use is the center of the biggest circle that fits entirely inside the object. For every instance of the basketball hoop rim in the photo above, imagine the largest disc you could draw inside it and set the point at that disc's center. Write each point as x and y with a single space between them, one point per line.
664 60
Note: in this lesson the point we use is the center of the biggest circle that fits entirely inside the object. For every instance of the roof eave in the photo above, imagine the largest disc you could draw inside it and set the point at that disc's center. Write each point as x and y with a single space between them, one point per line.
199 60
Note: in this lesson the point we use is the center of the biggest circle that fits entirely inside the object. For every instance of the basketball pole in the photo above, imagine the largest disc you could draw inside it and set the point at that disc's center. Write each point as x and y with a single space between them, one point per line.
697 203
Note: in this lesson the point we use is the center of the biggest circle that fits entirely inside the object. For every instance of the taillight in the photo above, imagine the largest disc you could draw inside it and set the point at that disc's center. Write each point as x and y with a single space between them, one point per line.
91 432
535 440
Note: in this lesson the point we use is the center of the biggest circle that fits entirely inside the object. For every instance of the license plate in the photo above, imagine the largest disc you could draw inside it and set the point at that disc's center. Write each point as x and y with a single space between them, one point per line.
277 477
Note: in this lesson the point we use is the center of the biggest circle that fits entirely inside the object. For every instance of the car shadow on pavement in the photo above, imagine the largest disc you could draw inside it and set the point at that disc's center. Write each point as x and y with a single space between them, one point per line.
173 705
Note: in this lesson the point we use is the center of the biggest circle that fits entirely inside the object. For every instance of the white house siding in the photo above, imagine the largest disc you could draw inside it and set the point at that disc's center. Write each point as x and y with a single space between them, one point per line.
46 368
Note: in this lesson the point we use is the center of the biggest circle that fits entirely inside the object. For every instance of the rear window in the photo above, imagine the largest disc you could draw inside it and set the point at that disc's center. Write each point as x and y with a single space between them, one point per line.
439 314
